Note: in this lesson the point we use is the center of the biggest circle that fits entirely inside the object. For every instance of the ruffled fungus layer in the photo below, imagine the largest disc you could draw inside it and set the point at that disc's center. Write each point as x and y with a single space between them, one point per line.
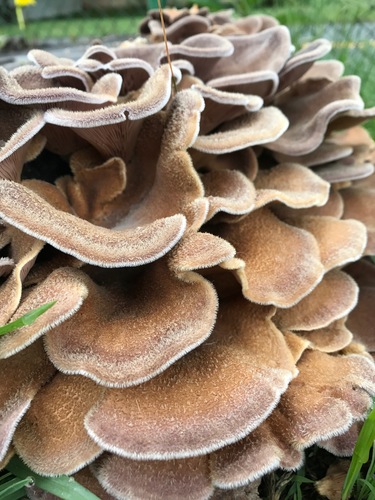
204 248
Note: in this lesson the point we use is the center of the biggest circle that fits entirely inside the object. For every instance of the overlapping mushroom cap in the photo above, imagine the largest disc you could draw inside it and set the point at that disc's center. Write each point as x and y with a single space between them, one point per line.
205 329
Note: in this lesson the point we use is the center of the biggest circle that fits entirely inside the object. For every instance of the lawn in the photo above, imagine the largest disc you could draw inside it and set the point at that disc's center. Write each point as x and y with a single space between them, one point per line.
74 28
320 11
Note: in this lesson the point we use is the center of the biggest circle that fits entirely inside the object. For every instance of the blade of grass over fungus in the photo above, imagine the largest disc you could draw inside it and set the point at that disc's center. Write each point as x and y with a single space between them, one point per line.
361 453
64 487
26 319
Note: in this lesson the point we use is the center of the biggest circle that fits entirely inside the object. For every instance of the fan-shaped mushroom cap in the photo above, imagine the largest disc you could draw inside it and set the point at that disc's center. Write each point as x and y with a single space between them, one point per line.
261 127
179 23
60 286
27 211
343 445
266 272
6 265
134 72
251 69
328 71
292 185
325 153
243 160
69 76
204 46
221 106
51 438
155 479
331 338
320 105
180 29
176 182
28 372
351 118
340 241
345 170
357 138
262 83
336 391
153 97
267 50
185 411
320 403
44 59
92 190
334 207
228 191
18 140
13 93
108 347
358 204
259 453
356 349
24 250
118 131
331 300
199 251
248 24
149 53
174 171
302 61
99 52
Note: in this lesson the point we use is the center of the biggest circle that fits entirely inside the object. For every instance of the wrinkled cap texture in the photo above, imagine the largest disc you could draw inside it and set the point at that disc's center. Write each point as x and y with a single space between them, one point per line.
206 243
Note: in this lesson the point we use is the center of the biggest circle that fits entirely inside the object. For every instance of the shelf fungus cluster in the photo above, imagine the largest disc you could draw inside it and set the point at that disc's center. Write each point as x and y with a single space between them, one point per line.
207 250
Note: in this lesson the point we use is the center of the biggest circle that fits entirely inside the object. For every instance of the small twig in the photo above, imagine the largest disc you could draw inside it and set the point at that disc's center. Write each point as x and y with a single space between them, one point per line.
166 47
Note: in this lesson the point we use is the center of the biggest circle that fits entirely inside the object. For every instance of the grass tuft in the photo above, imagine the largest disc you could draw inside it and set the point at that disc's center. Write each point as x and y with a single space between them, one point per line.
360 457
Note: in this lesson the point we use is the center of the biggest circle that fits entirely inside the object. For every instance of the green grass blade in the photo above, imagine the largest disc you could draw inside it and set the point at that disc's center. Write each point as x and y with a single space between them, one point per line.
4 477
369 486
64 487
13 486
371 469
361 453
26 319
15 496
369 477
302 479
